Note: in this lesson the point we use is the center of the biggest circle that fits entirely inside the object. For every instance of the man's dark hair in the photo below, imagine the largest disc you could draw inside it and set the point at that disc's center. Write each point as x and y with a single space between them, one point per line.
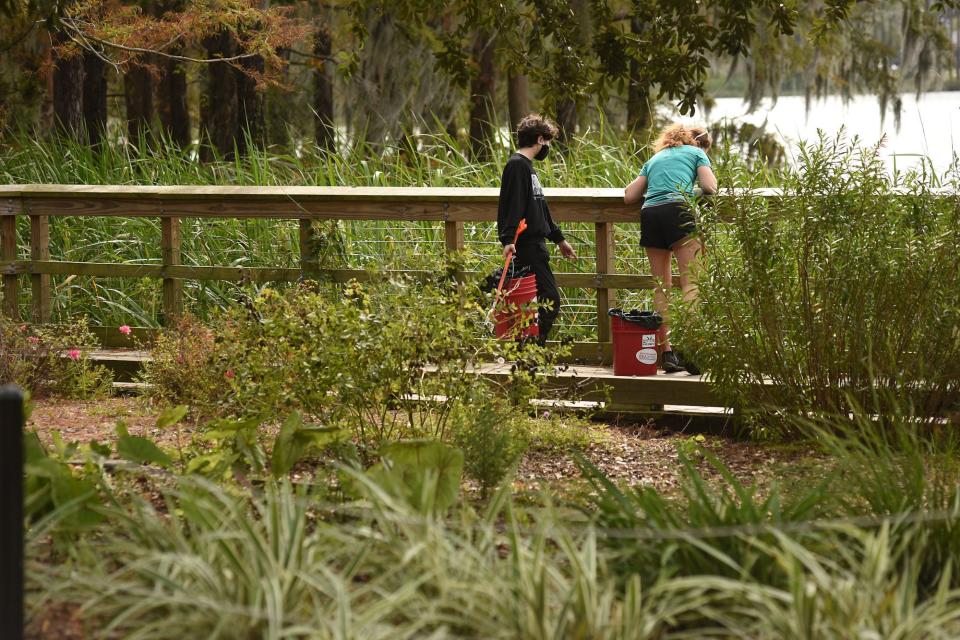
532 127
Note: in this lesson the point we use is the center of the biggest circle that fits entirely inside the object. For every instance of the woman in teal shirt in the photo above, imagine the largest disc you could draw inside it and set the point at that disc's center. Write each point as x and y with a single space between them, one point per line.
667 226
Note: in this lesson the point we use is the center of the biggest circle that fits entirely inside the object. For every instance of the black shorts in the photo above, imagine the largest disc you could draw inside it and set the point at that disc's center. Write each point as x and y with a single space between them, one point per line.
663 225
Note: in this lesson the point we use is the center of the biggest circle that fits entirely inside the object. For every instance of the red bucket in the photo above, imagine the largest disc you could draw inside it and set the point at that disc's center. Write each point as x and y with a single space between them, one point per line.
634 349
515 316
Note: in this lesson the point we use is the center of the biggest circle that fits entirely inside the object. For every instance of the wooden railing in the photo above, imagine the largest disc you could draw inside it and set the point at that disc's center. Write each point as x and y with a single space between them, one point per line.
603 208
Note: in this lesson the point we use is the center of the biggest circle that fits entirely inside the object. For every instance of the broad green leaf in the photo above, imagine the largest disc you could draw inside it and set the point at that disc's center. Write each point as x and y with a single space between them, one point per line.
100 449
171 416
140 450
74 496
286 449
295 440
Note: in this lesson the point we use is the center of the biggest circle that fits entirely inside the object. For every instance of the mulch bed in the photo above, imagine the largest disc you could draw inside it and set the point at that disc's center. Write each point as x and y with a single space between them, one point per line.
637 453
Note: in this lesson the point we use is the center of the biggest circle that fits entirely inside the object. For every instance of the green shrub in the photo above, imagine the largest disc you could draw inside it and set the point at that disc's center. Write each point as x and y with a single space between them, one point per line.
554 432
845 285
386 364
492 435
905 467
49 360
184 367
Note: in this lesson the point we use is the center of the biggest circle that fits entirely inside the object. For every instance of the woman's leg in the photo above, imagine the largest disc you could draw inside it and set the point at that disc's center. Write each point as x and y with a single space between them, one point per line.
660 269
688 253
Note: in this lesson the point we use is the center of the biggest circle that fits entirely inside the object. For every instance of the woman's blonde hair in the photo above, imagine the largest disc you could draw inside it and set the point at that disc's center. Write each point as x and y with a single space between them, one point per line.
676 135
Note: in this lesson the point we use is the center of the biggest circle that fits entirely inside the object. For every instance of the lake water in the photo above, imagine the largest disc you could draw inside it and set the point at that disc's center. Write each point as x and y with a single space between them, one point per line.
929 127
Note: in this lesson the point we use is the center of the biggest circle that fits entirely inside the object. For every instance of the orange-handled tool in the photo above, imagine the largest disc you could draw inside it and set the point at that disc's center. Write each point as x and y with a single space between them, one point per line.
506 263
503 276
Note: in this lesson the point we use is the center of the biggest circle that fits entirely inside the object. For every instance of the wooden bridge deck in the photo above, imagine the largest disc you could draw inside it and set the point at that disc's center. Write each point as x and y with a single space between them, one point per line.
595 385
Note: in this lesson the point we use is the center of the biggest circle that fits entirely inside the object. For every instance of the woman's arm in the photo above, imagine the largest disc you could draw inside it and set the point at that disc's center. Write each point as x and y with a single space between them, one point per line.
708 181
635 190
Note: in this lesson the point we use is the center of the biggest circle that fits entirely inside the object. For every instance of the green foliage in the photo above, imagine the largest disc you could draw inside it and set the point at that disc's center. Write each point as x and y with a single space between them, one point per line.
140 450
384 362
51 360
230 449
844 286
492 436
234 449
171 417
274 564
183 367
690 447
53 489
705 508
899 463
424 474
556 433
296 440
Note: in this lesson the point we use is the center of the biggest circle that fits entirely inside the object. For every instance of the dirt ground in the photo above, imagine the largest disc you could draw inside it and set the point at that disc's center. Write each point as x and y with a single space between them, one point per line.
637 453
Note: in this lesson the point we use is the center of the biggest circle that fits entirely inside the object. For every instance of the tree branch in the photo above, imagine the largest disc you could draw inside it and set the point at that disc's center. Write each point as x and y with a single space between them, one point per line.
143 51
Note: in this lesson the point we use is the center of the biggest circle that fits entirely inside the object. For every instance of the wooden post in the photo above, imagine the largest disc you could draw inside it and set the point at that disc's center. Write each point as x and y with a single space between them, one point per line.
172 287
40 282
8 253
11 506
453 236
308 258
605 265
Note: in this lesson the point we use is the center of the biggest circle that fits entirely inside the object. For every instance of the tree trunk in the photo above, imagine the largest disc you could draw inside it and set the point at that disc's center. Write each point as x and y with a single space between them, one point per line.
570 72
278 110
638 94
138 95
252 130
67 92
482 95
518 97
219 110
94 98
172 105
323 126
566 119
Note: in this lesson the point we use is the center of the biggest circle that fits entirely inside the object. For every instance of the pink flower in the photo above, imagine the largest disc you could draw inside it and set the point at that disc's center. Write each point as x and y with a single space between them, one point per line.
74 354
125 330
230 374
33 340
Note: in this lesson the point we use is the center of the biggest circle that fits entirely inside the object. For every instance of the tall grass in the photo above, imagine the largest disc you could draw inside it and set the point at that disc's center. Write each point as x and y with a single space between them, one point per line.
596 159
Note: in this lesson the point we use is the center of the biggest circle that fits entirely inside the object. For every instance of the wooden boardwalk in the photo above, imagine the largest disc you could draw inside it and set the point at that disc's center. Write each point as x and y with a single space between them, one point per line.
586 385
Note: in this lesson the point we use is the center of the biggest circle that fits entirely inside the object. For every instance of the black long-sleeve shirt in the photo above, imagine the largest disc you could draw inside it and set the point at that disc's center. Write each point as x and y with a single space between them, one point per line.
521 196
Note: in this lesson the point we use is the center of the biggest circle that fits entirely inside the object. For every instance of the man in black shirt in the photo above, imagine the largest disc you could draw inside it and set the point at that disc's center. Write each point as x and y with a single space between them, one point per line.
521 196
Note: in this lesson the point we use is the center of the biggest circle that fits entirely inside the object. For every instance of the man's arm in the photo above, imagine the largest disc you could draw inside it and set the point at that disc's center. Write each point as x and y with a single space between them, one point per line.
510 206
553 231
556 235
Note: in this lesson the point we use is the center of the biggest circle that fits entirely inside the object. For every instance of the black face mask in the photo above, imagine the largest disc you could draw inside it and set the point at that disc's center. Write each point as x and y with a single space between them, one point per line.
544 151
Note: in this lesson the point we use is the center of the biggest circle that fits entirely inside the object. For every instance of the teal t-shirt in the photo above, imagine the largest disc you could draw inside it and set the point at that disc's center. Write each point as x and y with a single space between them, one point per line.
671 174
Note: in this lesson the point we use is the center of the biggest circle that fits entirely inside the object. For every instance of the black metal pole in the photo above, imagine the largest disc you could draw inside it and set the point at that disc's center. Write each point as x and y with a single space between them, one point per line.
11 512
